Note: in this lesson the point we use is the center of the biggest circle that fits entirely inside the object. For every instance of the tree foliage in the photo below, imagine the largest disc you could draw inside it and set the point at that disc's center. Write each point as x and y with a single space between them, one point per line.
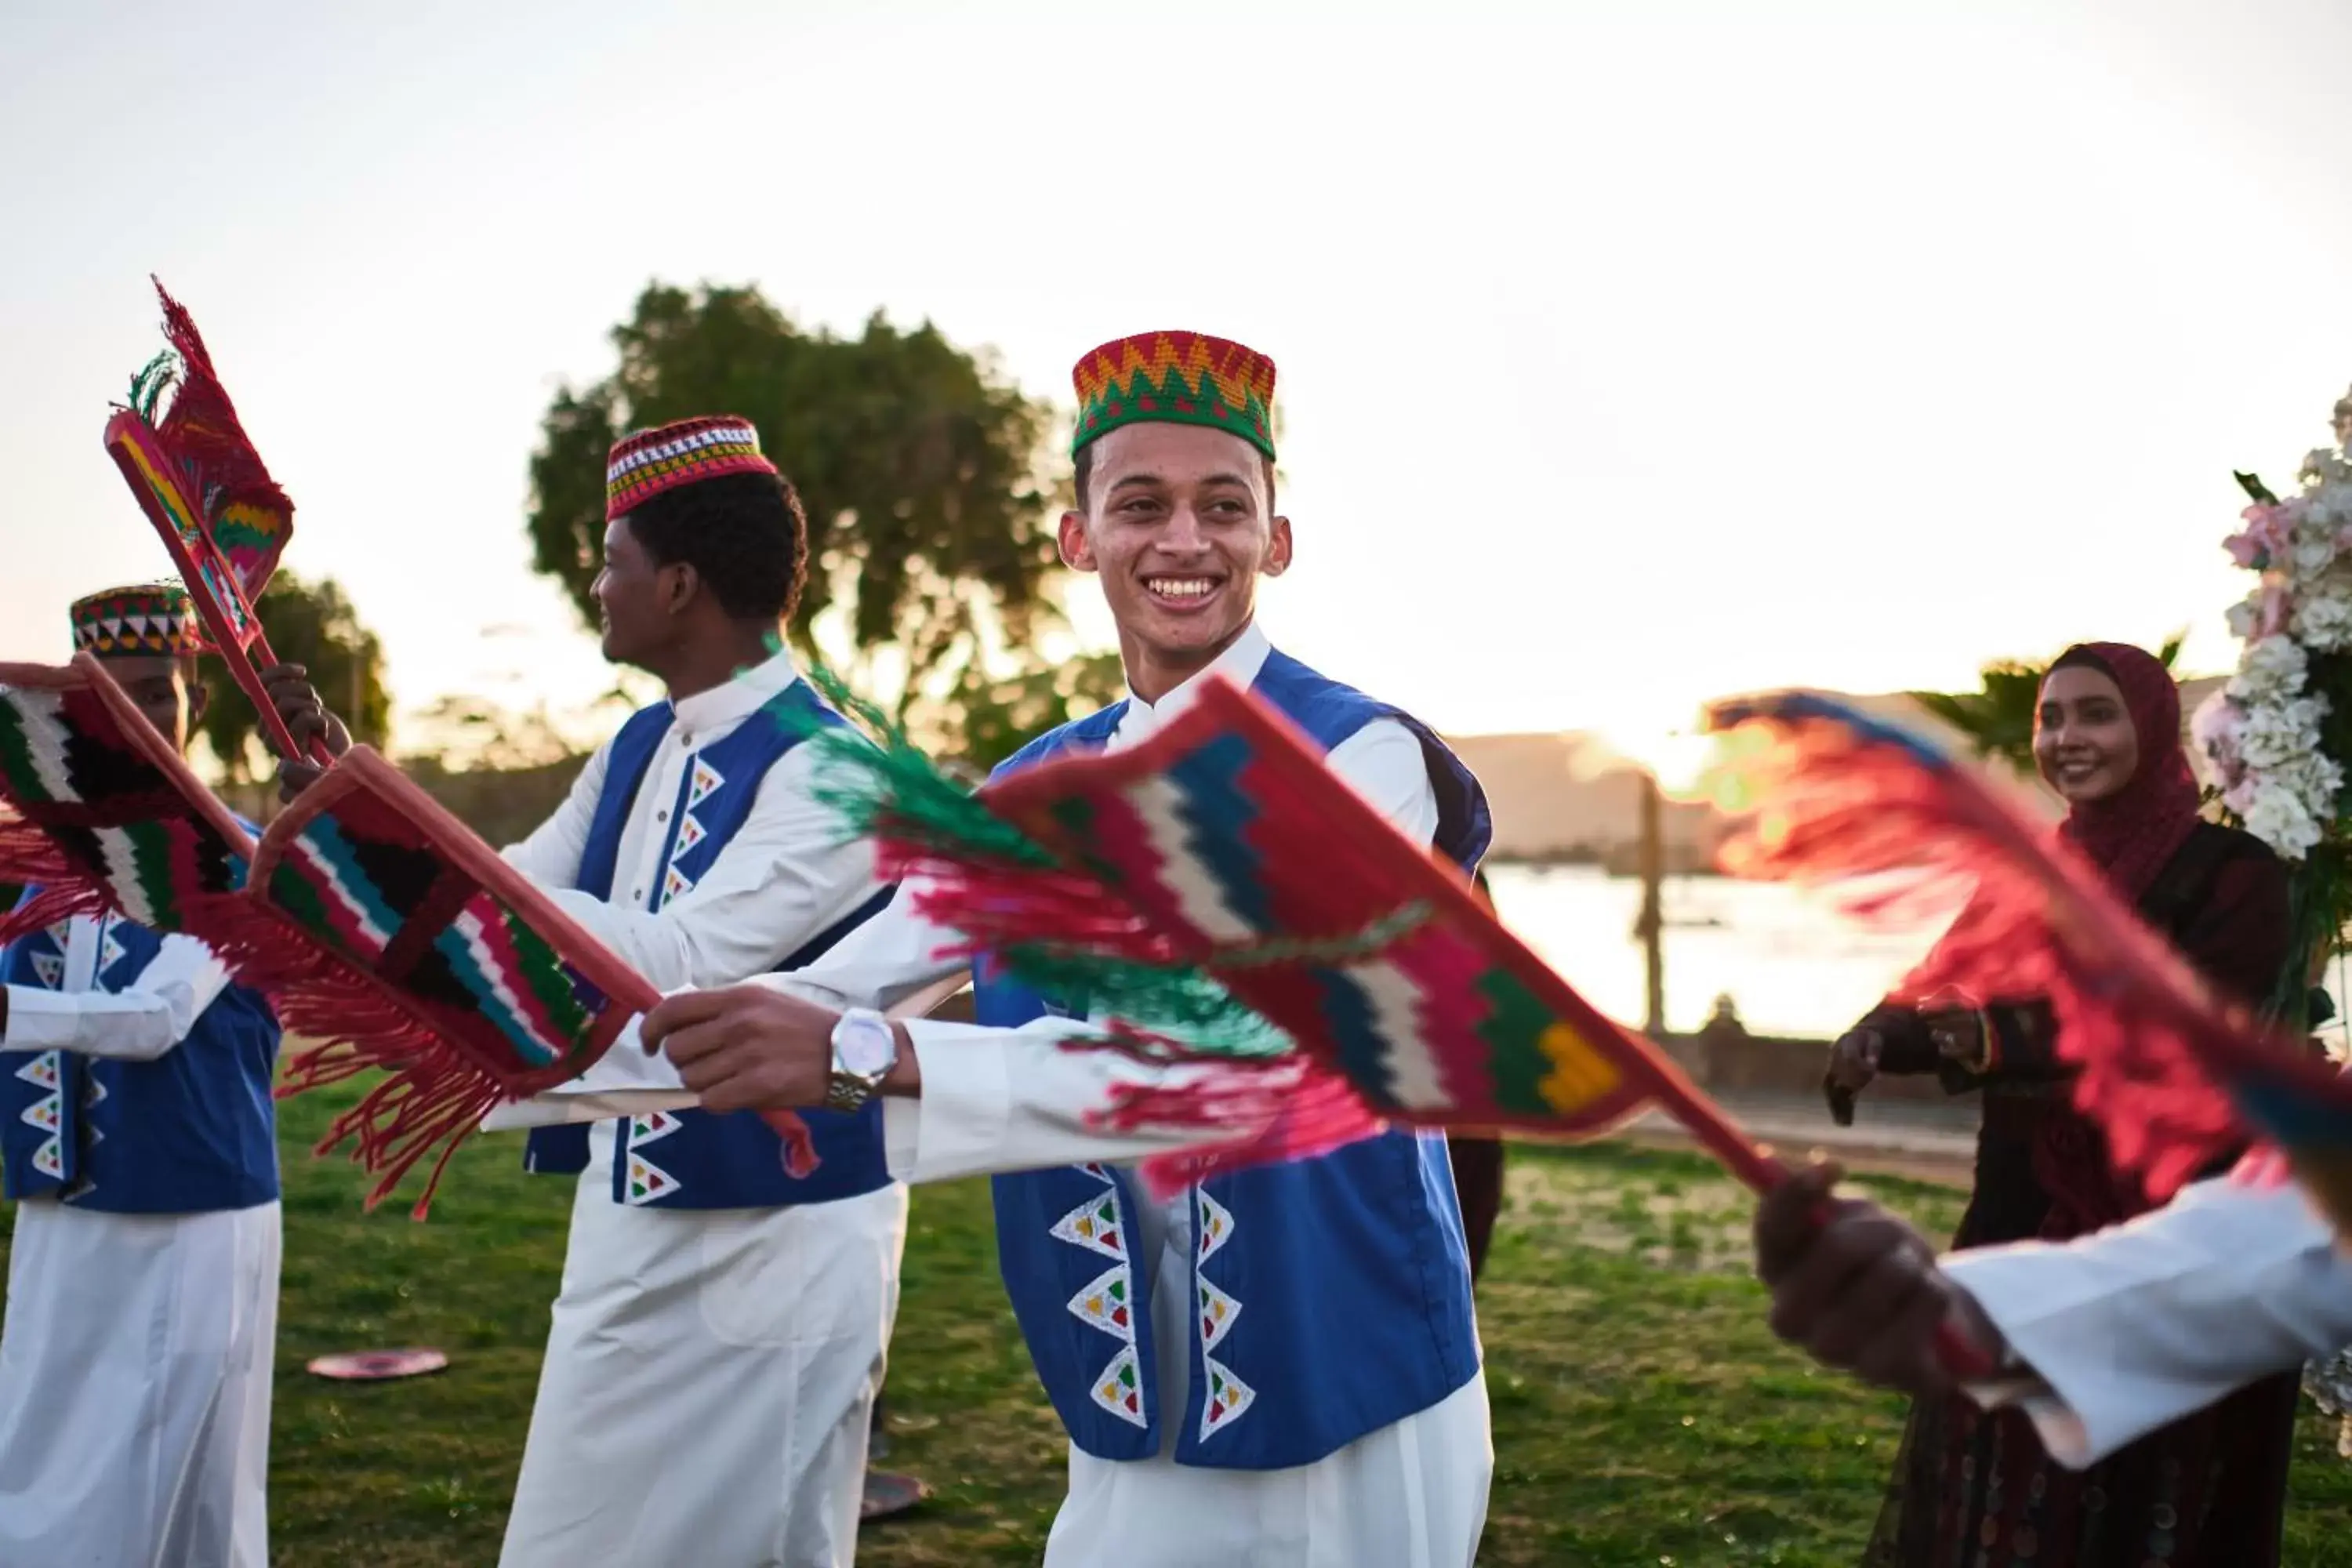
1998 717
314 626
930 535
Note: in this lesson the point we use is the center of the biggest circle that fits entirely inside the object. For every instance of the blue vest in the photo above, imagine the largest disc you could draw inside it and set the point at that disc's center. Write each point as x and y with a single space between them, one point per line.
1333 1293
693 1159
190 1132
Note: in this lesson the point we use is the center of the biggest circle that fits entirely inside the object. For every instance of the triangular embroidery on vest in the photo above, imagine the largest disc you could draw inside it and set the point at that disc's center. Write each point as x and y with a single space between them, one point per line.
1093 1168
41 1070
1218 1311
1119 1389
92 1092
1105 1304
59 933
648 1182
110 949
707 782
653 1124
1216 1226
48 1159
45 1114
50 970
1095 1225
675 884
690 832
1228 1399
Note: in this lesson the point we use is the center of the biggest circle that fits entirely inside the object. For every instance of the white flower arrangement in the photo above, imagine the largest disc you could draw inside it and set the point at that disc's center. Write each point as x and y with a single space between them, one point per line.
2266 731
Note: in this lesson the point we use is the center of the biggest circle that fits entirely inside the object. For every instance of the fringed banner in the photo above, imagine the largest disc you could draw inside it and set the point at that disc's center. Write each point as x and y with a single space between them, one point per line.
223 519
1232 907
378 925
2174 1075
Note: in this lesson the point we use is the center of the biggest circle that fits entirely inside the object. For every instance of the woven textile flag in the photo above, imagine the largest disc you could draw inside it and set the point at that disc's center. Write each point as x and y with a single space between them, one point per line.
1223 899
381 929
223 519
2173 1074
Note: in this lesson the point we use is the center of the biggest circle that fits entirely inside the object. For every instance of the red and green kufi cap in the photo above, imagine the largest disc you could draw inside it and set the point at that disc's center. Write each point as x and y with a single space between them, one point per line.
148 618
646 462
1181 378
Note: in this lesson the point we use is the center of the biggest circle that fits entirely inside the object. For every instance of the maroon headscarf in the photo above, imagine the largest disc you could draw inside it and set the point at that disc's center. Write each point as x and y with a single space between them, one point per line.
2134 834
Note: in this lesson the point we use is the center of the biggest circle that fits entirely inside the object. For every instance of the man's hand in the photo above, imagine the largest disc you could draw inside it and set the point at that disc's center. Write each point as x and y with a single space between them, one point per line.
755 1048
306 718
1858 1288
1854 1061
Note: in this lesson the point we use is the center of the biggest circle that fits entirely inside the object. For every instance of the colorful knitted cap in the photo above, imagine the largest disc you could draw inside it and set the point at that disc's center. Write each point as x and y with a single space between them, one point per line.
644 465
1181 378
146 620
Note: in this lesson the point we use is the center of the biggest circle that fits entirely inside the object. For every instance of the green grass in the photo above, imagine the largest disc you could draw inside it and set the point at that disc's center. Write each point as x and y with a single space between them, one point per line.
1644 1416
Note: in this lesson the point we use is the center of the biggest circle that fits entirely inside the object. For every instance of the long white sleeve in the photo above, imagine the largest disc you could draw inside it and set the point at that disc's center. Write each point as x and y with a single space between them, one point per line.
2137 1326
1016 1099
785 876
550 855
139 1023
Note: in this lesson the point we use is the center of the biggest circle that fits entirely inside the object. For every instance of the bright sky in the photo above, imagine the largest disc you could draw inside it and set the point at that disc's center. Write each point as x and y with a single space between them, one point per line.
1628 354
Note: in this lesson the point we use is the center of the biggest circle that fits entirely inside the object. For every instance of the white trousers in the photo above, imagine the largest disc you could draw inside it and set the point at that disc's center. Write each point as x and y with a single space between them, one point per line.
134 1388
709 1382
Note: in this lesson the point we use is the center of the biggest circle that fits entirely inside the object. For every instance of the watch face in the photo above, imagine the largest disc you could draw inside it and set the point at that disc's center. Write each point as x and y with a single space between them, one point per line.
865 1047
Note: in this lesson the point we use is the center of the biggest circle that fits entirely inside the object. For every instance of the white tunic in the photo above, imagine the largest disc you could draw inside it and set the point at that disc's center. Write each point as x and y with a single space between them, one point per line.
2133 1327
711 1373
135 1362
1412 1495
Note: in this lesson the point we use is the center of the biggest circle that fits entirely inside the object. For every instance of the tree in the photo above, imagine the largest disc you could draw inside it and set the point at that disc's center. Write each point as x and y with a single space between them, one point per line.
317 627
930 535
1998 717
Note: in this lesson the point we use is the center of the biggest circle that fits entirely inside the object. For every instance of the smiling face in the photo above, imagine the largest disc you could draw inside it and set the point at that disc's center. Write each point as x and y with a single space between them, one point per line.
162 685
1177 521
2084 744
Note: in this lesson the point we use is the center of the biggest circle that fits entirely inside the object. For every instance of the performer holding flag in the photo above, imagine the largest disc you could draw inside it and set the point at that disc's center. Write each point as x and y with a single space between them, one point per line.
137 1138
1281 1366
721 1330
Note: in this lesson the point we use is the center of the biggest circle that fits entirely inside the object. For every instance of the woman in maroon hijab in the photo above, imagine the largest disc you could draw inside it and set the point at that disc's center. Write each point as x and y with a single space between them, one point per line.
1973 1489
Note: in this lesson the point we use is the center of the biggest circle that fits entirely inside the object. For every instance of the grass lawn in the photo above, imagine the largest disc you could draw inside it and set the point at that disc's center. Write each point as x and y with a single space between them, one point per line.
1644 1416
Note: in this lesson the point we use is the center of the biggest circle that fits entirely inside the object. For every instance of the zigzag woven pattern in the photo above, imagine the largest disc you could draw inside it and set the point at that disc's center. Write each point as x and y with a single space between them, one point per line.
102 819
1186 378
645 464
146 618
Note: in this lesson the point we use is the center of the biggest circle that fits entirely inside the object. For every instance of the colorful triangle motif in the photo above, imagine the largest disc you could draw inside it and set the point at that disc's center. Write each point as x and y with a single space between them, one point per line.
653 1124
41 1070
59 933
49 1159
675 884
45 1114
648 1182
706 783
1119 1389
690 832
1105 1304
110 949
50 970
1095 1225
1218 1311
1215 1225
92 1092
1229 1397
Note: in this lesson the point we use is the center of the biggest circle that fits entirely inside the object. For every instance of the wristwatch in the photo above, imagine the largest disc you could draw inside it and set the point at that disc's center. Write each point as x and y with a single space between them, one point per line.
865 1049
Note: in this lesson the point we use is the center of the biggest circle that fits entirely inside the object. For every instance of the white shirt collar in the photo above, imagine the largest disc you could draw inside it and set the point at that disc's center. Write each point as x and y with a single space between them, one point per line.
730 704
1239 664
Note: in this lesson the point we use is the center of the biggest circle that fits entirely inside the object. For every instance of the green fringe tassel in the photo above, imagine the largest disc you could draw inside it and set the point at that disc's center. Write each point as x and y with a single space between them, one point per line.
147 388
880 785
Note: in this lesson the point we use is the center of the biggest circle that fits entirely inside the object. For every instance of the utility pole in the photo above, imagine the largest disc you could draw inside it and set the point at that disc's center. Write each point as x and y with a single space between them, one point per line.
1651 926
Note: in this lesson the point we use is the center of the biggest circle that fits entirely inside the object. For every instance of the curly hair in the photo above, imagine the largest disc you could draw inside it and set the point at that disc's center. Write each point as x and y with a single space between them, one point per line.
744 534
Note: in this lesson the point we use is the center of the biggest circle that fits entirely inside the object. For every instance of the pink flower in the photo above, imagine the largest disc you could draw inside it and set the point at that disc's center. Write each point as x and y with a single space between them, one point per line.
2272 607
2263 540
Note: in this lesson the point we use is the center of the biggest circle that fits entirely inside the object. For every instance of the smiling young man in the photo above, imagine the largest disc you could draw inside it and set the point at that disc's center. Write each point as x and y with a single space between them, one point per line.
1304 1389
721 1326
137 1138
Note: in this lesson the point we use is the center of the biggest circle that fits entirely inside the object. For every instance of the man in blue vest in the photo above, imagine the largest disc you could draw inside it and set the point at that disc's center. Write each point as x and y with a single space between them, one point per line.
1297 1383
137 1140
721 1327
